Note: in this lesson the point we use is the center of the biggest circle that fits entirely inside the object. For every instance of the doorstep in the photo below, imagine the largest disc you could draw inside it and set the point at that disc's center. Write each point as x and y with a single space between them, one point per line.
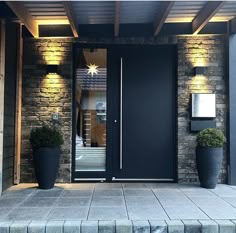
120 226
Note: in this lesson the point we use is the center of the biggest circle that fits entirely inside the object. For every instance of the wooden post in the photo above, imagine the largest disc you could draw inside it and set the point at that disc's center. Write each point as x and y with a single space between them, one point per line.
18 106
232 112
2 83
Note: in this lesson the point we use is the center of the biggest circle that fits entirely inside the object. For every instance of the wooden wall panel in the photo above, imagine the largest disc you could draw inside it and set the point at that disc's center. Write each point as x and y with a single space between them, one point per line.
9 104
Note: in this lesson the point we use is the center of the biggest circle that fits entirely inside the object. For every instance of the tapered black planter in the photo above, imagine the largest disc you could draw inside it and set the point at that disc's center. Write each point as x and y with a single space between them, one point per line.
209 161
46 163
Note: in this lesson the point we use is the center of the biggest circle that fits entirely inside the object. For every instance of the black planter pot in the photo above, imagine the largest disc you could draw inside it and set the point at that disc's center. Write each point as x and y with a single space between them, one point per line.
209 161
46 163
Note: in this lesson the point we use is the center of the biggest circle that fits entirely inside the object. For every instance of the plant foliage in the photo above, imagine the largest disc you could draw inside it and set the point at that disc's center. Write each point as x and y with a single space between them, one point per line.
45 136
211 137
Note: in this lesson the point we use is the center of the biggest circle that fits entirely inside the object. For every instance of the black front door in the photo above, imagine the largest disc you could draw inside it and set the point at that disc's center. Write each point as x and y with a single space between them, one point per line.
143 113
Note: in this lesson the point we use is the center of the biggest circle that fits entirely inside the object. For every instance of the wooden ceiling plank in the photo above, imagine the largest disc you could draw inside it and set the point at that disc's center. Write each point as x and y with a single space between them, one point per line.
163 12
25 17
205 15
71 17
117 19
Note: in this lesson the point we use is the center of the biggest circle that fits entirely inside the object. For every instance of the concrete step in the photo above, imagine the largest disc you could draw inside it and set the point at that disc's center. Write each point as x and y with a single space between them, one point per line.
121 226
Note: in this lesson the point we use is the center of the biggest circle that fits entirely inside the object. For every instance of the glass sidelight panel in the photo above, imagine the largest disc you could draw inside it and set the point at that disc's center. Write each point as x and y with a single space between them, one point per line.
91 106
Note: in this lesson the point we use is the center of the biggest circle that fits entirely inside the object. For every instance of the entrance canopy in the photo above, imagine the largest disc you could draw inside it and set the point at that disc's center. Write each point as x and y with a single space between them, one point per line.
124 18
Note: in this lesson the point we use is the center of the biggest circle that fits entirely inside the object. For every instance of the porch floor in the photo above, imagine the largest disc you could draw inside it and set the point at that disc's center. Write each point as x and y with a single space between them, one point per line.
118 201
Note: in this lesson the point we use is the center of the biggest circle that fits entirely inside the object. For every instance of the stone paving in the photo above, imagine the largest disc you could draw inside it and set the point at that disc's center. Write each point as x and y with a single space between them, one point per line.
111 207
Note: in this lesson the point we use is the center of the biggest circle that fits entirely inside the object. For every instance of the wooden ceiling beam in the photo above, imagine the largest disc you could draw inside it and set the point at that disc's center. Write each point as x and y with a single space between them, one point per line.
24 16
163 12
205 15
117 19
71 17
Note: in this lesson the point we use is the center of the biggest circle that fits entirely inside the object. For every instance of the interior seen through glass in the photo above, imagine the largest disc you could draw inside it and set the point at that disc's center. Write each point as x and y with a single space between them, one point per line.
91 79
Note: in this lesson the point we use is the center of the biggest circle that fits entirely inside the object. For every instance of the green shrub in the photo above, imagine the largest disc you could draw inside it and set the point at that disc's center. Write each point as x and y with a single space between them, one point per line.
211 137
45 137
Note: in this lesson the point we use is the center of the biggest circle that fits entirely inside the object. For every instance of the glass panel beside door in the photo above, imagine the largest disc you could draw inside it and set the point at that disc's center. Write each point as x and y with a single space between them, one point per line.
91 110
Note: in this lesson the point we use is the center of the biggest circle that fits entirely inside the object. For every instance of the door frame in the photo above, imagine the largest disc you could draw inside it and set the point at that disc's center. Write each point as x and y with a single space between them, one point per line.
107 175
90 175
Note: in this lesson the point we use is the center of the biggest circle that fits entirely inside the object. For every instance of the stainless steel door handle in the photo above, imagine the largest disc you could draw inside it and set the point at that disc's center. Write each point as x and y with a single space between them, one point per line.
121 113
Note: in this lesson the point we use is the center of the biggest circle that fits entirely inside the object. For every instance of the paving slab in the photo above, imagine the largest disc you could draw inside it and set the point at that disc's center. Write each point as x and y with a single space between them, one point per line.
198 193
38 202
108 201
192 226
77 193
124 226
37 227
209 201
209 226
11 202
4 212
54 227
107 213
168 192
219 212
146 213
175 200
135 186
89 227
162 185
5 227
108 186
226 226
230 200
175 226
72 227
177 212
47 193
68 213
108 192
24 214
183 187
78 186
106 227
138 192
18 193
141 227
222 190
141 200
19 227
158 226
73 202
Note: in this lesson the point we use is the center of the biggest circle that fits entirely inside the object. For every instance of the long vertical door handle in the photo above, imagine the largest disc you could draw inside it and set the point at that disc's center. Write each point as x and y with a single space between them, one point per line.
121 113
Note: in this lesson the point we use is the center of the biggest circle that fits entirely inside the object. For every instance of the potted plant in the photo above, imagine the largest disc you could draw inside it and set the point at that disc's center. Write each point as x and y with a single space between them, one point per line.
210 144
46 142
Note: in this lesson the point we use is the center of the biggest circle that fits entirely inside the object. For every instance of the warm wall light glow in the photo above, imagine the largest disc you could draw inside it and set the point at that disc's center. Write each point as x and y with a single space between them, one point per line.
51 79
53 55
200 62
201 82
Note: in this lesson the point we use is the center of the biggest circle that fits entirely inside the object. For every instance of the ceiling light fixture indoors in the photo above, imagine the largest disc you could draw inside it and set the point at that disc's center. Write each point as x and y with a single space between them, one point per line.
92 69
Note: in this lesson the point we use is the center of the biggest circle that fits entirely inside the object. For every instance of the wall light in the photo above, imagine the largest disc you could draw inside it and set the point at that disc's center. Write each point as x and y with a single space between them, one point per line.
199 70
52 69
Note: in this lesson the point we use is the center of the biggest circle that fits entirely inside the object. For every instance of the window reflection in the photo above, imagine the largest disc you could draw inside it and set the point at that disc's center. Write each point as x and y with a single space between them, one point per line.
91 76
